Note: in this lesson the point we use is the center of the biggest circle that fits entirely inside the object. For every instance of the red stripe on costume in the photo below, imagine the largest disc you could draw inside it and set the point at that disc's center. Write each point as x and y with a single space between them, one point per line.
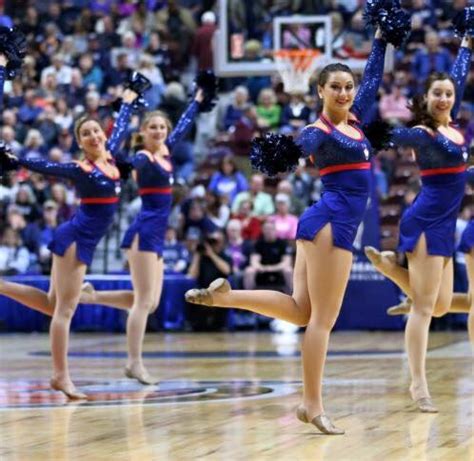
344 167
433 171
99 200
154 190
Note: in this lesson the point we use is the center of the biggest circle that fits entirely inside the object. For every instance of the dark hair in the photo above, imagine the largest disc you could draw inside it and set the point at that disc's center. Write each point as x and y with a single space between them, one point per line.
228 159
419 106
331 68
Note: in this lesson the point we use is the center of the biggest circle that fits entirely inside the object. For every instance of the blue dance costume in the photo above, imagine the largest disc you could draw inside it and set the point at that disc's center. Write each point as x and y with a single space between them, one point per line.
154 186
467 239
442 163
97 190
344 165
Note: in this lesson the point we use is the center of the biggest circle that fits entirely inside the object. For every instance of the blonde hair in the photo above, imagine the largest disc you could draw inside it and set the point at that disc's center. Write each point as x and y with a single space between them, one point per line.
138 140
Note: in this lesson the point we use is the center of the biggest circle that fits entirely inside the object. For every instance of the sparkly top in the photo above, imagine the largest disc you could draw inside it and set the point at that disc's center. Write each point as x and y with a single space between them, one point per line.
88 178
150 174
3 73
330 147
433 149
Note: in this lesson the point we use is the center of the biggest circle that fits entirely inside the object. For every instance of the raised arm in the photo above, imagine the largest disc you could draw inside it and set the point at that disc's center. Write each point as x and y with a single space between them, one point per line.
121 124
184 124
3 73
460 71
371 79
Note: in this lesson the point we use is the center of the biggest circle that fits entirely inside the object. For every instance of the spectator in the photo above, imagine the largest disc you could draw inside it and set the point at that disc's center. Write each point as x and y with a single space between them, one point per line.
34 145
251 226
218 209
270 262
175 254
14 257
29 110
235 110
237 248
197 218
285 223
160 55
58 68
148 68
8 137
92 75
202 47
208 263
59 195
268 111
432 59
296 113
47 227
393 107
228 180
262 202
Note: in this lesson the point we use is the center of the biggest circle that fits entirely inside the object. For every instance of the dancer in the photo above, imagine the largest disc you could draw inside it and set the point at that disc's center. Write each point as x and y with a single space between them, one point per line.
144 238
461 303
326 230
97 180
427 227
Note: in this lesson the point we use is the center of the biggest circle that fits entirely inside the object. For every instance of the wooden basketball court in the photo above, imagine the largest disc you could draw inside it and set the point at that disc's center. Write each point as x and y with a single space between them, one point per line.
232 397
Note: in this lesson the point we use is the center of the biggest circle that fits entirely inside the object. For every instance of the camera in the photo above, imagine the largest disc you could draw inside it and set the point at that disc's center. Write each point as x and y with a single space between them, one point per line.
209 240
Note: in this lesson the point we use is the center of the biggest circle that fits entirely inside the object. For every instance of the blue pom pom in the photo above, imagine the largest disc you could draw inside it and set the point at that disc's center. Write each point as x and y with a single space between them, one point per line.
208 82
463 22
13 46
394 23
273 153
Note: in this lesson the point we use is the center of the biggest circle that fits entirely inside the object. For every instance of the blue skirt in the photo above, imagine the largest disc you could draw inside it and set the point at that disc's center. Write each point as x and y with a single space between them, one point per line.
433 213
342 205
86 228
150 226
467 239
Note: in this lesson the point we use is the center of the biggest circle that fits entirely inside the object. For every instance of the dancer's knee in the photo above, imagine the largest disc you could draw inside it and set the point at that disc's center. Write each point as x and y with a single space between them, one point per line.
423 309
146 304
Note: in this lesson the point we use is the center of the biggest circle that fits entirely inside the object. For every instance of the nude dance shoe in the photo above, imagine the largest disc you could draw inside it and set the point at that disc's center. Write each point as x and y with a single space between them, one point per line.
426 405
375 256
322 422
142 378
401 309
204 296
70 394
87 293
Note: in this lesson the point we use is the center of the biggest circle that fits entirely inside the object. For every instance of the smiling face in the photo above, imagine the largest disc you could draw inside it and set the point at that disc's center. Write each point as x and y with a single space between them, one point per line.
338 91
155 131
91 138
440 98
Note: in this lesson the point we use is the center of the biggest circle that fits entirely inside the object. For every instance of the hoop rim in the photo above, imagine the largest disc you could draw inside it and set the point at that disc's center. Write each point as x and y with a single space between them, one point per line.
299 53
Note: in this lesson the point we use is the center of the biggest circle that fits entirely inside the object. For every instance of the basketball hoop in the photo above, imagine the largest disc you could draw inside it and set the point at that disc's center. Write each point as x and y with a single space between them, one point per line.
296 68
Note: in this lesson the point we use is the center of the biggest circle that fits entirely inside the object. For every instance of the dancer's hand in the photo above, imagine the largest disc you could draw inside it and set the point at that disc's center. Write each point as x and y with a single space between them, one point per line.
199 95
378 33
129 96
3 60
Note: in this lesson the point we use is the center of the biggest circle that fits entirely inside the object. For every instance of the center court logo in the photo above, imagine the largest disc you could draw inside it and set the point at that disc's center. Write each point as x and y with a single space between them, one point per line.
30 394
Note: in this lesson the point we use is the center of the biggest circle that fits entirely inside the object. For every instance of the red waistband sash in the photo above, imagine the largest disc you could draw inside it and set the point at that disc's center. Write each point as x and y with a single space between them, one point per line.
450 170
154 190
99 200
344 167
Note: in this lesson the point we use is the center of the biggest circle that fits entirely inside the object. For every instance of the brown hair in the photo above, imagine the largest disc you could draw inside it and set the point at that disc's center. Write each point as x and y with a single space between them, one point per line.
80 121
137 138
331 68
419 106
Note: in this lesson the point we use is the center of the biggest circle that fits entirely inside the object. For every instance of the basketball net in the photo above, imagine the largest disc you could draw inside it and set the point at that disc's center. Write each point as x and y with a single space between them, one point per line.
296 68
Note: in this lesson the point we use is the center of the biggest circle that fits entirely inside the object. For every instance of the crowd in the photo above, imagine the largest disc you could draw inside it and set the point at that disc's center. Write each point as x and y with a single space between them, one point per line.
225 220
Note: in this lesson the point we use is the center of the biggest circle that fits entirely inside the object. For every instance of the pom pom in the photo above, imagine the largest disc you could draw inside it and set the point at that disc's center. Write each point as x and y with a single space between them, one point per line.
463 22
137 82
13 46
138 105
275 153
379 133
7 160
208 82
394 23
